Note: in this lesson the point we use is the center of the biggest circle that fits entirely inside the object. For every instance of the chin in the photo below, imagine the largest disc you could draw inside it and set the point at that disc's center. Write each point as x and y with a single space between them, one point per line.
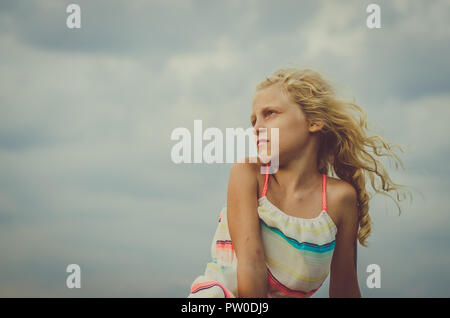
267 158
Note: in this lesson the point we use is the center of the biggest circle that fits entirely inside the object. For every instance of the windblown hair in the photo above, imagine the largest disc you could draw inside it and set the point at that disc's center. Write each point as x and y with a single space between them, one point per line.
344 143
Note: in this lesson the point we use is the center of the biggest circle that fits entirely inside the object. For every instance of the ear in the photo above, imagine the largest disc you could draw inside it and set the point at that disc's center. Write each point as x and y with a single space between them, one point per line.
315 126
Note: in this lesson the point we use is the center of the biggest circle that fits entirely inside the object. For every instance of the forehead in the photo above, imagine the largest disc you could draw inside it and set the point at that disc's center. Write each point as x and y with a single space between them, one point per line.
269 96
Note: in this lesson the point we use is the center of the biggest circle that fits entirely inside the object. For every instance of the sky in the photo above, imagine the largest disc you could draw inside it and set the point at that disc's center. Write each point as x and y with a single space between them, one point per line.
86 115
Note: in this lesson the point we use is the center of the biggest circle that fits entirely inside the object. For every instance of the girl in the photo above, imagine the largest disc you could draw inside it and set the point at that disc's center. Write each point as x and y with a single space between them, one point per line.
291 229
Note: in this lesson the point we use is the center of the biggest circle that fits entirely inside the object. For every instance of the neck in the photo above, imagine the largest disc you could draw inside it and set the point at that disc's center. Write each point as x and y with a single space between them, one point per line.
300 173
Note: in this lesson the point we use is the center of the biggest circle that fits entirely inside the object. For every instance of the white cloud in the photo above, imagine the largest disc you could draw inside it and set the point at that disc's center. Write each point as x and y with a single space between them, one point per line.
421 124
337 29
188 66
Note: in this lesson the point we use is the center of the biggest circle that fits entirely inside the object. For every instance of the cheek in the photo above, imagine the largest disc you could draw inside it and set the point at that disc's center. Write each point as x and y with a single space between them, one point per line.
294 130
292 137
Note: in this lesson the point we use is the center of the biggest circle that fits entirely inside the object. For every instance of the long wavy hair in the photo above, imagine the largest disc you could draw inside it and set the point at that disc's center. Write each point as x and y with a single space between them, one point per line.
345 150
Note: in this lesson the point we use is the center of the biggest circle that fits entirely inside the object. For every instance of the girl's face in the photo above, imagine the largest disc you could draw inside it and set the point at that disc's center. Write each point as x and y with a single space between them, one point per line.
272 108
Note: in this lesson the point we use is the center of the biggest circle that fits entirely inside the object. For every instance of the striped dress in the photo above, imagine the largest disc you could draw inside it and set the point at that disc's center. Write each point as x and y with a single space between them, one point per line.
298 253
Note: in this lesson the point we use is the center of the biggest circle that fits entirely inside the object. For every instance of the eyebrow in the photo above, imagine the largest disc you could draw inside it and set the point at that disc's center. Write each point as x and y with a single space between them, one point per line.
263 110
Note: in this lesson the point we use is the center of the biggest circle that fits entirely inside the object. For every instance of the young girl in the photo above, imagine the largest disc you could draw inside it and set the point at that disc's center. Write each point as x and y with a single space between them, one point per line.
291 228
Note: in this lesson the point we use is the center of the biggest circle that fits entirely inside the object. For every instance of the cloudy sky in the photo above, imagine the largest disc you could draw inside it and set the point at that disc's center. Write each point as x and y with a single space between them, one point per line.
86 115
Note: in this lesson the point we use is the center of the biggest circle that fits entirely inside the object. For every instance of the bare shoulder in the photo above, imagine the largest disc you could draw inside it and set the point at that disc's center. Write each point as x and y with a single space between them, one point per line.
340 196
250 168
249 164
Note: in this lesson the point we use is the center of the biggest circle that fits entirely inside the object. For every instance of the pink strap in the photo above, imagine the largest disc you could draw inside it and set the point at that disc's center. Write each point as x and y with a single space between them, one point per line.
324 188
265 183
324 192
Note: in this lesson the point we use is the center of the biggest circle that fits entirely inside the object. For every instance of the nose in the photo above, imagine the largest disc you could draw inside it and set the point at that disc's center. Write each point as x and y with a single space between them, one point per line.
259 130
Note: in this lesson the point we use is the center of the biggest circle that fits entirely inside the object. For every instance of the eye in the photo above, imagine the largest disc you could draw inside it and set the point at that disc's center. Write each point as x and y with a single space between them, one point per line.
267 113
270 112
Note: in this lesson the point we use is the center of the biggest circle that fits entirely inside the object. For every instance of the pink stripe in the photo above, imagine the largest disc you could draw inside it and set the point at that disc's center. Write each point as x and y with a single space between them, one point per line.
286 290
225 245
324 192
195 288
265 183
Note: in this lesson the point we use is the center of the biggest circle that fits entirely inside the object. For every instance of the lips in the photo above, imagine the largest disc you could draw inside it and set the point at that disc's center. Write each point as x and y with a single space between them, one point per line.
261 141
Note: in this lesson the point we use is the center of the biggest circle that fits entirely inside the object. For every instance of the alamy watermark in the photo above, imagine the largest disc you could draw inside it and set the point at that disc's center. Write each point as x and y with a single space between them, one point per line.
73 20
214 151
373 20
374 279
74 279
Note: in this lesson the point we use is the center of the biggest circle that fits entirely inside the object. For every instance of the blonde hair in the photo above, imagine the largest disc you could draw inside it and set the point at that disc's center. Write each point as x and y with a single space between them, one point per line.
344 142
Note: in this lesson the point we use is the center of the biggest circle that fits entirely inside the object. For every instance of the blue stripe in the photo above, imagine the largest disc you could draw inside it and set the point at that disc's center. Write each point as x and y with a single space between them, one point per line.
303 245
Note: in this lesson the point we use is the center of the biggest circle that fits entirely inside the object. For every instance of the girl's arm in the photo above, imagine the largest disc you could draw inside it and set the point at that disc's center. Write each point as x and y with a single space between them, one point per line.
344 278
244 227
